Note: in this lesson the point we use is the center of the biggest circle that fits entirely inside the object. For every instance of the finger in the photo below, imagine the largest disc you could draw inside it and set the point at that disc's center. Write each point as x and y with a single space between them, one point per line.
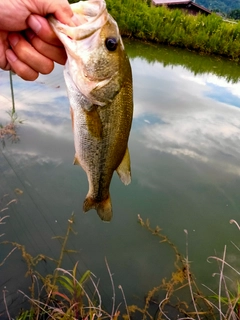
20 68
64 17
27 54
43 30
4 45
62 11
52 52
60 8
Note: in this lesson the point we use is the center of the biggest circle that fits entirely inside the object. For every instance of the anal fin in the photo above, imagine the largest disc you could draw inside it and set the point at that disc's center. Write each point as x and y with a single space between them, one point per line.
76 161
124 169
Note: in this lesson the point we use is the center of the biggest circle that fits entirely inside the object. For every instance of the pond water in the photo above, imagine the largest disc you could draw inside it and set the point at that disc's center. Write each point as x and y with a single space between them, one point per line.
185 155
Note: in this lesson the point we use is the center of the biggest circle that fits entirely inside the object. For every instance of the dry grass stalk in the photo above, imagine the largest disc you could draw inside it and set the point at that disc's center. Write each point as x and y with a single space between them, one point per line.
8 131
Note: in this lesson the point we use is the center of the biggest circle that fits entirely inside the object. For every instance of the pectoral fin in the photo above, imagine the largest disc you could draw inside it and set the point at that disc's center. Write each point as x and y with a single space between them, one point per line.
124 170
94 123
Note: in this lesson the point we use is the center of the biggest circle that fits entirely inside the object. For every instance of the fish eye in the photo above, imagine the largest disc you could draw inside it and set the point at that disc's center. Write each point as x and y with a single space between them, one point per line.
111 44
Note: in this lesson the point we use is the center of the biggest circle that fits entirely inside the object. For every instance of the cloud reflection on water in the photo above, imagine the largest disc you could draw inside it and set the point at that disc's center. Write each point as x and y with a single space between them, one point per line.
43 104
183 135
44 108
193 117
186 115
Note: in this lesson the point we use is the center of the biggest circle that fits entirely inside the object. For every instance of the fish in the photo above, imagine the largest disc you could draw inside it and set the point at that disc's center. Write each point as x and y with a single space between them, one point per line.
98 78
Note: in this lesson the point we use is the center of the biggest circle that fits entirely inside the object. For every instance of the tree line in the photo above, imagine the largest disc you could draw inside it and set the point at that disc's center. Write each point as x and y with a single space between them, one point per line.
223 6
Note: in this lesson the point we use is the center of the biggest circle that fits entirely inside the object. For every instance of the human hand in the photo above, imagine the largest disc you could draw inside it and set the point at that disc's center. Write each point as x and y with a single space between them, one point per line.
28 45
30 52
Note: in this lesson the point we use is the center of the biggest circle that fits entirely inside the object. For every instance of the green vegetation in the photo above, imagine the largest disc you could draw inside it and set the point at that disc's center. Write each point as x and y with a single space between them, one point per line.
9 130
173 56
207 34
221 6
235 14
66 295
69 295
182 294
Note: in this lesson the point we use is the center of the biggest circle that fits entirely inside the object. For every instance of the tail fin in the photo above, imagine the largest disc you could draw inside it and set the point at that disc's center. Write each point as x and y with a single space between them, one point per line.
104 208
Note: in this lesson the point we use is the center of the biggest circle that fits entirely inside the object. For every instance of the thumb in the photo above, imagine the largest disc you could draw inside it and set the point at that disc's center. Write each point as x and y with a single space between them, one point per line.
59 8
64 14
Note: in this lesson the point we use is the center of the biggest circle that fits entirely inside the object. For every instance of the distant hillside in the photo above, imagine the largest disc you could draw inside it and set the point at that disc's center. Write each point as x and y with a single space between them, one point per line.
224 6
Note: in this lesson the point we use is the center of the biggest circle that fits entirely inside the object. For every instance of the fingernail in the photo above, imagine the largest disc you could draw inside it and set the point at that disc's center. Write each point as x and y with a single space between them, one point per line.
75 20
11 57
34 24
72 22
13 39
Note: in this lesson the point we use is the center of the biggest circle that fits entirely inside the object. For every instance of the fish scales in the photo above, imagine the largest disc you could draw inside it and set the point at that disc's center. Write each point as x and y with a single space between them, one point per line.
99 83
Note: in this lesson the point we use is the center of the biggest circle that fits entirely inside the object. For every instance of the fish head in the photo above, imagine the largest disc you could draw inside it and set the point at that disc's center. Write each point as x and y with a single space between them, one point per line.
95 51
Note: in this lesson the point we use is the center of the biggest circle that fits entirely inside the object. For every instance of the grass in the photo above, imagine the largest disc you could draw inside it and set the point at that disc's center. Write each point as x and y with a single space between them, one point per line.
206 34
4 206
66 294
223 304
9 130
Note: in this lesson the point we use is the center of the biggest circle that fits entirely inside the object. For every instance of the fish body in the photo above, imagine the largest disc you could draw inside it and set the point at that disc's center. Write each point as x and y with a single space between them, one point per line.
99 84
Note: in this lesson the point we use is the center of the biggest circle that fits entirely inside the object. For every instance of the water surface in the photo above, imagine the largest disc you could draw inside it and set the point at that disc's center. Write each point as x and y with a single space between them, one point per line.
184 147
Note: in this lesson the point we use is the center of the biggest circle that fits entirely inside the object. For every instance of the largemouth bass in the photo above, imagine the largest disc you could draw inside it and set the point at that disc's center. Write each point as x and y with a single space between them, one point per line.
99 84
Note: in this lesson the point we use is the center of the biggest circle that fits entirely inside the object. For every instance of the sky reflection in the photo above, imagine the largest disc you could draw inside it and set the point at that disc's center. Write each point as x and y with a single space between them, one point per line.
42 104
184 148
188 116
176 112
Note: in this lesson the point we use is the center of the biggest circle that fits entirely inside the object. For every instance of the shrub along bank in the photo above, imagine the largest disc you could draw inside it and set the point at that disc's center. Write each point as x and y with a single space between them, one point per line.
207 34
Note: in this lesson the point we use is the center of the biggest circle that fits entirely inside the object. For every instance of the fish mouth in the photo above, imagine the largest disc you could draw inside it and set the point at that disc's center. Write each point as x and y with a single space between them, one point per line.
90 16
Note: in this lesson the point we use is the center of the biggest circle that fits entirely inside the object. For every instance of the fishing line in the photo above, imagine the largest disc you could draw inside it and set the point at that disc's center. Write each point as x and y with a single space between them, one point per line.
21 183
23 186
21 176
108 298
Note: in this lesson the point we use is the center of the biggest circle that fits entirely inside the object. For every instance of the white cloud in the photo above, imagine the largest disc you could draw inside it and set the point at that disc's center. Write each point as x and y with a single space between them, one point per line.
189 122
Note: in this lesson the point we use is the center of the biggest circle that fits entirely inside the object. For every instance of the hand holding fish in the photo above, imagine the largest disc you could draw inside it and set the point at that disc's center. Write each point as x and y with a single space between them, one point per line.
28 46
